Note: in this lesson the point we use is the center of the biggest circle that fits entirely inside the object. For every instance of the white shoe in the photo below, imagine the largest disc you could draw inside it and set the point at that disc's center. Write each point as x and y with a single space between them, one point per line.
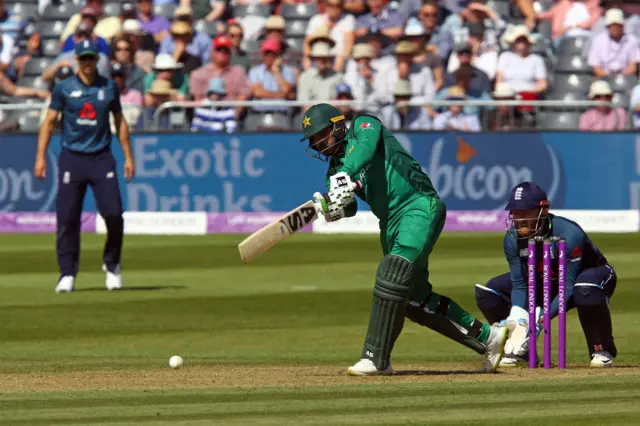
601 359
510 361
65 285
495 347
366 367
114 279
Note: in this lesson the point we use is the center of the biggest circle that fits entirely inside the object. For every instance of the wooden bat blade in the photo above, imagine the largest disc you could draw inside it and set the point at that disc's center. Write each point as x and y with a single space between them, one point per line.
270 235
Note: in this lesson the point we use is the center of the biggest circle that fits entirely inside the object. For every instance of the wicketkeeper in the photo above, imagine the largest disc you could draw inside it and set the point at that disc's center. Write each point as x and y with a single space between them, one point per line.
590 280
411 218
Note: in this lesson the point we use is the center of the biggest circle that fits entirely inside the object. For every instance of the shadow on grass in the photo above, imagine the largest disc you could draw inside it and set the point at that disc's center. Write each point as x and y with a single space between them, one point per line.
135 288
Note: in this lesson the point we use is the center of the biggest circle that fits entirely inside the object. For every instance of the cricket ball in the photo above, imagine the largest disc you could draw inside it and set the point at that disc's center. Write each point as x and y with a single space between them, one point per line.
175 361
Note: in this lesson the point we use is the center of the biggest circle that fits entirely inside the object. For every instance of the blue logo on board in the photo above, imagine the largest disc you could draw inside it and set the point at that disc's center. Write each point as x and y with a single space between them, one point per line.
19 189
477 172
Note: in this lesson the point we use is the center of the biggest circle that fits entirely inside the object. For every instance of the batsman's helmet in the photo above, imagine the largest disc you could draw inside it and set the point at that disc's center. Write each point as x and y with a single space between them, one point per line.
318 118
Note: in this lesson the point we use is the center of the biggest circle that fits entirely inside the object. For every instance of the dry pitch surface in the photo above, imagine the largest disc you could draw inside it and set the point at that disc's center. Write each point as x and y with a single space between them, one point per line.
269 343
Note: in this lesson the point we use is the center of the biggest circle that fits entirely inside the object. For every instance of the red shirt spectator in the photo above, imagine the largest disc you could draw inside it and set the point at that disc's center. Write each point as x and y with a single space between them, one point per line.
234 76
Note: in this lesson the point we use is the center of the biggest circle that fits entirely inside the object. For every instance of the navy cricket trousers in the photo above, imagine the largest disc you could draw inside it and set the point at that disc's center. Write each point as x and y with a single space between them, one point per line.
76 171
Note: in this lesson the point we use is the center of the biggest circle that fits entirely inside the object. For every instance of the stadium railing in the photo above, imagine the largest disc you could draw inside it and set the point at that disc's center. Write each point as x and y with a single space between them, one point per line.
522 114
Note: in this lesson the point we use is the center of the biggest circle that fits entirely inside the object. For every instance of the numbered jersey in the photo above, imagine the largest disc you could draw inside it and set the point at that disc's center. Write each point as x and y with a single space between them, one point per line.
391 179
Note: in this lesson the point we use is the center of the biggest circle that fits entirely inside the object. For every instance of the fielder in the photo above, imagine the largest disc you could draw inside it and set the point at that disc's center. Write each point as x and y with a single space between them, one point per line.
84 101
411 218
590 280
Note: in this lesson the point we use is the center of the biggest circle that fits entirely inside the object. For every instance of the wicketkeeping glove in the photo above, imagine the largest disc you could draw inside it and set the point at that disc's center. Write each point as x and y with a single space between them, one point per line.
518 342
329 208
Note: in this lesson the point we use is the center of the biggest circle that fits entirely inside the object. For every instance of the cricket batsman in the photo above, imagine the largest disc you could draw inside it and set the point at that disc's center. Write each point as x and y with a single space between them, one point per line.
590 280
85 101
411 218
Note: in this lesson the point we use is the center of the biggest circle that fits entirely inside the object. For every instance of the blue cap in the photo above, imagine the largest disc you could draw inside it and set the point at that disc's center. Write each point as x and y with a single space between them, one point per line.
86 47
525 196
216 85
343 89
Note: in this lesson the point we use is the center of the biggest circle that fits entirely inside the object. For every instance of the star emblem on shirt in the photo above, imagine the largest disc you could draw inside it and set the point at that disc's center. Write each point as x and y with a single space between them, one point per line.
306 122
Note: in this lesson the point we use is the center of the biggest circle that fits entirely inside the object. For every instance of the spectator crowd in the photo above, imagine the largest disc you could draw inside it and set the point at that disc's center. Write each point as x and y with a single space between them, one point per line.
391 59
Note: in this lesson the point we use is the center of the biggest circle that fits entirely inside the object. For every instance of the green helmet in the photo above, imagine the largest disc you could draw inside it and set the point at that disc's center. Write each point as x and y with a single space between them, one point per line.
319 117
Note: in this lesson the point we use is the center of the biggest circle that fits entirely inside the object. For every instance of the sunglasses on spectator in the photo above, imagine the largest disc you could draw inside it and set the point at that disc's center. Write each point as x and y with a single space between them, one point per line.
89 58
223 50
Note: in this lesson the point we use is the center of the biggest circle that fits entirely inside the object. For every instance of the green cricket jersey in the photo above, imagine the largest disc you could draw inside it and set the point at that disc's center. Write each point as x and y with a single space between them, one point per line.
391 179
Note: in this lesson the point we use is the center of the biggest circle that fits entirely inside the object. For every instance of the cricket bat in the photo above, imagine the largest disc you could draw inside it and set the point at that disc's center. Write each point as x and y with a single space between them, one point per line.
270 235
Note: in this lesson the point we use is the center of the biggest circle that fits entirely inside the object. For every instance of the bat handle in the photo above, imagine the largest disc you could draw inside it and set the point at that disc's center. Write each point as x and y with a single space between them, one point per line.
326 200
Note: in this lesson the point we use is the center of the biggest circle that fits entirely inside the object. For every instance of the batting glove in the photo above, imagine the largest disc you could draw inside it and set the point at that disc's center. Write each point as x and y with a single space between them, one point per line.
342 188
329 208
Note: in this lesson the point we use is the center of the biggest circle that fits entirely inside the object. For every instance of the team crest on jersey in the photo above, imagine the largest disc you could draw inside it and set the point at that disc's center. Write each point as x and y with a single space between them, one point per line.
76 93
101 95
365 125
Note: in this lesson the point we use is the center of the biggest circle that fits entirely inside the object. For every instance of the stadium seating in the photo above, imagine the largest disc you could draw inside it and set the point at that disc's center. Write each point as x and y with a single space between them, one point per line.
62 12
51 48
569 74
576 83
572 46
112 9
241 11
166 10
296 28
572 64
35 82
23 10
35 67
559 120
210 28
298 11
266 121
623 83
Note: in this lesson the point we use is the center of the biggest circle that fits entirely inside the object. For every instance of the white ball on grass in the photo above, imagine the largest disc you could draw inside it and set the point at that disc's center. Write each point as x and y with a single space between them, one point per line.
175 361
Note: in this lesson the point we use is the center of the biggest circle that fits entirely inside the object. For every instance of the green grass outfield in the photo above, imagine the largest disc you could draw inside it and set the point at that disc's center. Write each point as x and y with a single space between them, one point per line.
269 343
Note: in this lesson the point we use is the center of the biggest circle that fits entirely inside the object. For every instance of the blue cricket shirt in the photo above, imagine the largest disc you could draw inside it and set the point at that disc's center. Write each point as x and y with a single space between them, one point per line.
85 112
582 254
